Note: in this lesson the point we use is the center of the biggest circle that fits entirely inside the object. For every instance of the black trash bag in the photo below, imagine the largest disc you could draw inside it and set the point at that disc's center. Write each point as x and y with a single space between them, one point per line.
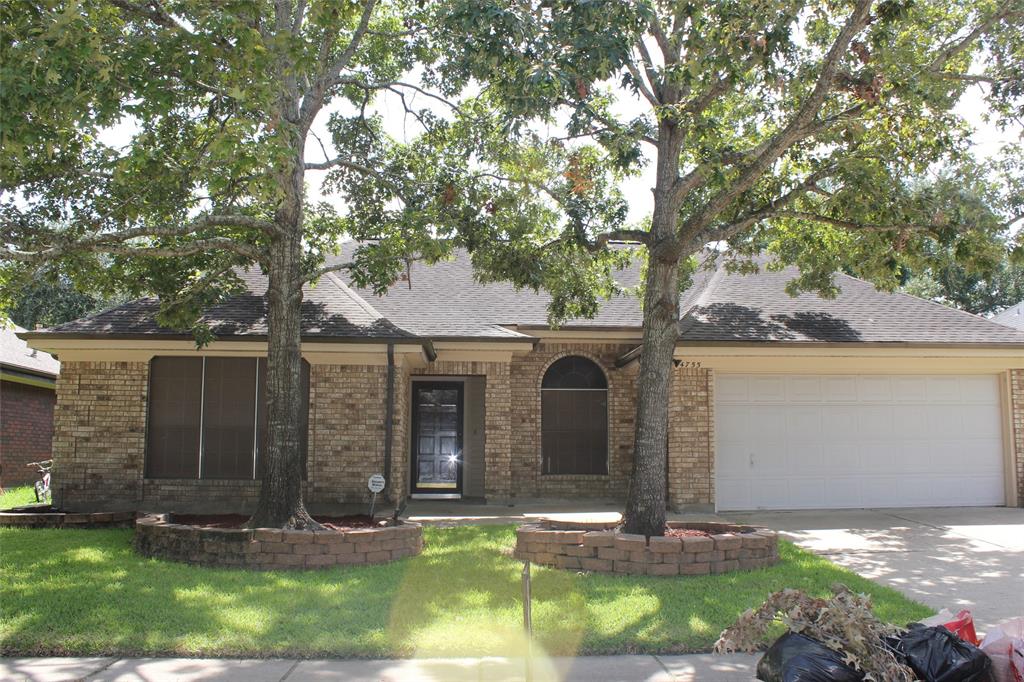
798 658
937 655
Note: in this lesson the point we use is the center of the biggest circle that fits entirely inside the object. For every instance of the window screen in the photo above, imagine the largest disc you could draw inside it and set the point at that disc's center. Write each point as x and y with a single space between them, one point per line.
175 392
229 418
218 406
574 418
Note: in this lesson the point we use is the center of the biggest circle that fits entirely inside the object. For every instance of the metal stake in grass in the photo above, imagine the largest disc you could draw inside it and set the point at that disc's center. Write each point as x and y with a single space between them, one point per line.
528 619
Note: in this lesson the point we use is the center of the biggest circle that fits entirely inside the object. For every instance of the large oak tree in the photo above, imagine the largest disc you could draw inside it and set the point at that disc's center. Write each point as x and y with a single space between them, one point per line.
808 129
158 146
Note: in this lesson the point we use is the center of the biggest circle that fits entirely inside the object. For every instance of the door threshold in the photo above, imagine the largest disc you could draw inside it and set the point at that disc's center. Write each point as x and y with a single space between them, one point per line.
436 496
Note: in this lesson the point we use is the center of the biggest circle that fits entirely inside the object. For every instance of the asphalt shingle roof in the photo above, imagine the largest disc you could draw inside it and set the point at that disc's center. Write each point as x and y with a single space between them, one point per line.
330 309
1012 316
736 307
16 354
445 301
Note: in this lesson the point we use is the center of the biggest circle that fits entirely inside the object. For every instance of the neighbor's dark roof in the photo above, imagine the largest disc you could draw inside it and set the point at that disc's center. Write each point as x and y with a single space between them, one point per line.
330 309
1012 316
15 353
444 301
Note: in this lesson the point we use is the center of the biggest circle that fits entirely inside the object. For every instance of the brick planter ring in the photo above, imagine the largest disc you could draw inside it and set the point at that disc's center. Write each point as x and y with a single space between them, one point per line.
728 548
267 549
26 517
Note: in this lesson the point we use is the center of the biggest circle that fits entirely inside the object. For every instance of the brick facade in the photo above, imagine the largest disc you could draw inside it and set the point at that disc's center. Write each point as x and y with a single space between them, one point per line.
691 455
26 430
100 422
1017 426
99 437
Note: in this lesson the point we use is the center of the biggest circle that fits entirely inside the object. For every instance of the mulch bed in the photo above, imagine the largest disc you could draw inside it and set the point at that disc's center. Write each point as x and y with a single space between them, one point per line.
686 533
349 522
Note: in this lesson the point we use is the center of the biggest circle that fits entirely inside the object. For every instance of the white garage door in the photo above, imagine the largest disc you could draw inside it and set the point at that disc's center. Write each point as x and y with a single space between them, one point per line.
818 442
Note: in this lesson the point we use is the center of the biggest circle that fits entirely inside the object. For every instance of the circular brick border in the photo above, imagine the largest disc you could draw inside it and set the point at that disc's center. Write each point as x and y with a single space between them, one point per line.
729 548
27 518
156 535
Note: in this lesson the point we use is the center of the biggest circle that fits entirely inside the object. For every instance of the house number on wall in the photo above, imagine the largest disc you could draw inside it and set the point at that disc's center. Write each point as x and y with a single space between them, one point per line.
689 364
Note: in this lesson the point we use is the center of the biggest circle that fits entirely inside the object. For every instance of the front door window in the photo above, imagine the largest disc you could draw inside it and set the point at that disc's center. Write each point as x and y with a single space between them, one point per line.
437 437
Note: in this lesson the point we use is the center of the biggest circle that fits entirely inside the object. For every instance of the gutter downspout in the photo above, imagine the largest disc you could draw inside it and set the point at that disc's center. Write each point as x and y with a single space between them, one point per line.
389 417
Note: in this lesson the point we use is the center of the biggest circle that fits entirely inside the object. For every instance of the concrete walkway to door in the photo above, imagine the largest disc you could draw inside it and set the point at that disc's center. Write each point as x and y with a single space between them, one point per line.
963 558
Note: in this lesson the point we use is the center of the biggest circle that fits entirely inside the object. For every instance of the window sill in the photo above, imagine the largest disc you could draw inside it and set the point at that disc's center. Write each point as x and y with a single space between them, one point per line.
575 477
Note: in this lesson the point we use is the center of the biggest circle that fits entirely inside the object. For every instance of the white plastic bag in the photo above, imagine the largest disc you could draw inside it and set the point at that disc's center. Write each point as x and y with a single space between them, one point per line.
1004 644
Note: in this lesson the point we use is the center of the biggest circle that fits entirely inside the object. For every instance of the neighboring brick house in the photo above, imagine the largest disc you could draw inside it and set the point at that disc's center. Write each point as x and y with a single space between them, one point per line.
868 399
28 382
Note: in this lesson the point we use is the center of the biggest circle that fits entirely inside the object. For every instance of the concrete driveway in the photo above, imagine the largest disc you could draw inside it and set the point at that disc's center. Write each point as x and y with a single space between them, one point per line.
961 558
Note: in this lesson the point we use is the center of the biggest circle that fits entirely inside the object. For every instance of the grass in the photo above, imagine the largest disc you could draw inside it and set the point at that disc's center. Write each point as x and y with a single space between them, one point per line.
16 497
85 592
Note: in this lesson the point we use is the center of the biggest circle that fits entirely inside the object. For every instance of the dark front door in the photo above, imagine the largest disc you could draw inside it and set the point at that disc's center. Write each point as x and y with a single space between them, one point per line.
437 437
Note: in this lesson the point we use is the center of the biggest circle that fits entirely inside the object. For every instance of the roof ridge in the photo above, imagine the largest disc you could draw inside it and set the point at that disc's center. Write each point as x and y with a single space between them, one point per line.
710 284
932 303
364 304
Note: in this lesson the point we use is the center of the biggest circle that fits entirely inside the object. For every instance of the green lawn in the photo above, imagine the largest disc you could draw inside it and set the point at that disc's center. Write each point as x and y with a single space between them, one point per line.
86 592
15 497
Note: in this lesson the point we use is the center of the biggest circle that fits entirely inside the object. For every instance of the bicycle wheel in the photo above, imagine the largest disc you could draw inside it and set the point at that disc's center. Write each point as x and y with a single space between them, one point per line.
41 492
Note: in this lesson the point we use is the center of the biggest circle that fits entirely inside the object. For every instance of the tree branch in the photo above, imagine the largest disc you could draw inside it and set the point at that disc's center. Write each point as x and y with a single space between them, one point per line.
313 99
320 272
793 130
115 242
959 46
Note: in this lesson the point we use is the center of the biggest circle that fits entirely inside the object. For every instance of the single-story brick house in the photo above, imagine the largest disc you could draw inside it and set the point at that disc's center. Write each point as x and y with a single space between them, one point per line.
28 382
459 389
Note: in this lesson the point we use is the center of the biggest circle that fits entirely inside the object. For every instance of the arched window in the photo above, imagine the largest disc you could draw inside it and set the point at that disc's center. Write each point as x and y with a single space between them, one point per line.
574 418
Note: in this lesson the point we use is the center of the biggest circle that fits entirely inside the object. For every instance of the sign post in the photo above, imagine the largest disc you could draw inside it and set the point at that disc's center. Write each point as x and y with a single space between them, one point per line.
375 484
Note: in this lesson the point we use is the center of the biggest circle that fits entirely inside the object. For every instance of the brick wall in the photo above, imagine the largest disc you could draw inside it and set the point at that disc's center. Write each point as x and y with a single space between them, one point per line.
527 373
346 424
99 442
26 430
99 435
1017 424
691 457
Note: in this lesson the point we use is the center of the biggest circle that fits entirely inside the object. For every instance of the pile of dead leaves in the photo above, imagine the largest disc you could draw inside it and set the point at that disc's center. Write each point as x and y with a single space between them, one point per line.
843 622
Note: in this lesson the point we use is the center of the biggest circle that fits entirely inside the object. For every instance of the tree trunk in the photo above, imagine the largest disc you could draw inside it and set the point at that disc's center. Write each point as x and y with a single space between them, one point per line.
645 501
280 503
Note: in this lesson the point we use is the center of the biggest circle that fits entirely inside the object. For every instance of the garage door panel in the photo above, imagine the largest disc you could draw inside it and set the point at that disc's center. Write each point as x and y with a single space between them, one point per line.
766 389
731 389
944 390
979 390
806 442
874 389
839 389
979 421
911 421
803 389
802 422
910 389
876 421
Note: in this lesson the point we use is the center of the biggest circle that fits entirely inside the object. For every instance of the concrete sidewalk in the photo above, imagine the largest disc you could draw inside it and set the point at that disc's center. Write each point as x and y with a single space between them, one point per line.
695 667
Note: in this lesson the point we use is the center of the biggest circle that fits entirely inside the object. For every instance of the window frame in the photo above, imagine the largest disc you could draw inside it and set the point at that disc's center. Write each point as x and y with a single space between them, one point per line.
605 469
258 394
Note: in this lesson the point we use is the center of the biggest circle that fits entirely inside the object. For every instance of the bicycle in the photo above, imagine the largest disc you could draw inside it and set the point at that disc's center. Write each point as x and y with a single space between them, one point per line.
42 486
